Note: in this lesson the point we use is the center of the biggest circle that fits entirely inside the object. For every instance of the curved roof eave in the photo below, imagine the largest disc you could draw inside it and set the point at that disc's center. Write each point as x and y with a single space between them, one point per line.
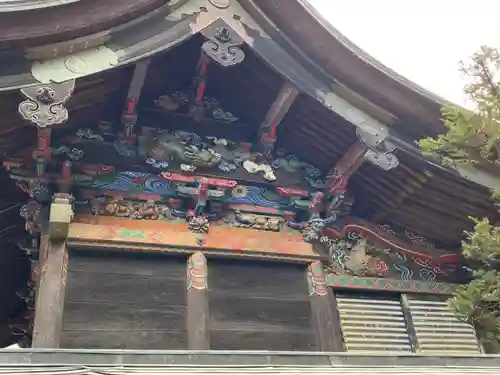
162 33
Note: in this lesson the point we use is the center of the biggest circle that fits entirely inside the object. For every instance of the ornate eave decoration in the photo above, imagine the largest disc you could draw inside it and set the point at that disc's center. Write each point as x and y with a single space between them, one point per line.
43 106
223 44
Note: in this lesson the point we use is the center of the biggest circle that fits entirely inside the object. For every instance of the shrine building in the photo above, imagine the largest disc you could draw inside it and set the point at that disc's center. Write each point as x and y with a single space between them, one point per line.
226 185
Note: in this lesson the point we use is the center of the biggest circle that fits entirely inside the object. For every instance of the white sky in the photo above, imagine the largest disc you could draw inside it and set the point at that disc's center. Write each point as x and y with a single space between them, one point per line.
422 40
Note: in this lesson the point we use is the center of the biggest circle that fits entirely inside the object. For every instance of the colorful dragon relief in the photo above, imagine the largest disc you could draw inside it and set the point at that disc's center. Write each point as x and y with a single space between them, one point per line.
364 250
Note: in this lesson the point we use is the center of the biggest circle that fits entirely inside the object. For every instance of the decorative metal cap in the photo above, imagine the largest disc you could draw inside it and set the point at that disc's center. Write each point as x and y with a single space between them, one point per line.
43 106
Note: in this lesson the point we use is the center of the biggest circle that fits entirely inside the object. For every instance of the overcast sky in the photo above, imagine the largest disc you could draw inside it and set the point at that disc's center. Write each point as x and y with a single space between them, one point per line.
422 40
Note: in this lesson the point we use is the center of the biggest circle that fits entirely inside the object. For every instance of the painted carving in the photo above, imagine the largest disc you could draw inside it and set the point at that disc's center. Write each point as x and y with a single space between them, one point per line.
223 44
173 102
71 153
123 148
259 222
31 212
264 170
157 164
292 164
43 106
86 133
362 252
198 224
207 106
148 210
166 147
316 279
312 230
197 272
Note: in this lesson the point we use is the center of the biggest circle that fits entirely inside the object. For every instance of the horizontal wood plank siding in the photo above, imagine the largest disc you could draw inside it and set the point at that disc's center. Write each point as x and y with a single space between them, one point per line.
437 330
125 301
372 324
259 306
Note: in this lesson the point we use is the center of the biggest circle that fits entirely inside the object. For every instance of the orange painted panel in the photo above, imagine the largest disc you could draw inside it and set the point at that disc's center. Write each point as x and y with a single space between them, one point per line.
149 232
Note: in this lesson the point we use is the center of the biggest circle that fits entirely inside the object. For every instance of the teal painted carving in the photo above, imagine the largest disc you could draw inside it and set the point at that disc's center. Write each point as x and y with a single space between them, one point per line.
132 234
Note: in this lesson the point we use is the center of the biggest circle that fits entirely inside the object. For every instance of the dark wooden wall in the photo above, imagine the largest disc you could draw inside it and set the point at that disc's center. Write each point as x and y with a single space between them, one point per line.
259 306
125 301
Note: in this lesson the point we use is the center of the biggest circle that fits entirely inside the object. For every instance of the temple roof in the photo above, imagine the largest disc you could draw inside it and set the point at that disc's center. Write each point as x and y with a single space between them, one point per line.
342 89
418 195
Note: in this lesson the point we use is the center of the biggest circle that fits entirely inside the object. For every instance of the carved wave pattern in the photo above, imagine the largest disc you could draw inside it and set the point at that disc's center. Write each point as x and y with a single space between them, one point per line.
257 196
140 182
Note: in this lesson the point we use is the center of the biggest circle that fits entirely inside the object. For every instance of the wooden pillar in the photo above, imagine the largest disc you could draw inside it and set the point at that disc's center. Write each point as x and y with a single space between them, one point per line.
323 315
52 279
50 297
197 303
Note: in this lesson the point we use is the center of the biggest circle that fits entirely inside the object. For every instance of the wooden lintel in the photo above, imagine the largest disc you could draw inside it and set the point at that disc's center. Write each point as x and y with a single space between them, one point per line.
160 235
275 114
197 303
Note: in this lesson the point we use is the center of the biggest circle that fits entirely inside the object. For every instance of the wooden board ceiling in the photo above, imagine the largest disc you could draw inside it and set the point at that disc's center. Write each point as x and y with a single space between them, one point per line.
415 195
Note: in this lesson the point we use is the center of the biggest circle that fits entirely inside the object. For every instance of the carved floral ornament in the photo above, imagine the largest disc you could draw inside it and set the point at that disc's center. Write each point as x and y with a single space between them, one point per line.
43 106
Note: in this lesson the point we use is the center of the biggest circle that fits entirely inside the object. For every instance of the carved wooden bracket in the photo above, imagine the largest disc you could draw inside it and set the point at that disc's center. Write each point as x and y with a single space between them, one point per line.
43 106
61 215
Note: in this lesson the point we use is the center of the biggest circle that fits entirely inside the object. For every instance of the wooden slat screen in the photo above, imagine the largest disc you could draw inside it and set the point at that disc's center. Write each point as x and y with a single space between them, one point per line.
259 306
372 324
124 301
438 330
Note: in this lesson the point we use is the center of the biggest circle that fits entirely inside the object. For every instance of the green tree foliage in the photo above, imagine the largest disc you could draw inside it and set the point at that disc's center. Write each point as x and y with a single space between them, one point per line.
473 137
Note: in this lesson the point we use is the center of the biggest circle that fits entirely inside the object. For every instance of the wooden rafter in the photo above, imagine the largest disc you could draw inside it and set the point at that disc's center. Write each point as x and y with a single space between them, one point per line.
349 163
267 130
129 117
402 196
